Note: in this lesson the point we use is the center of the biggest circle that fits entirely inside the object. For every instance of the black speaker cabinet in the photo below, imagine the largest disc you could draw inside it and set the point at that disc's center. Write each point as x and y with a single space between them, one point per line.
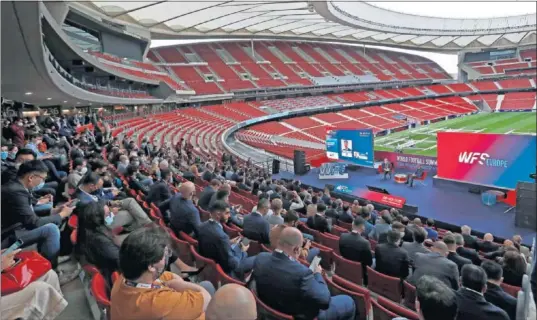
275 166
526 206
299 162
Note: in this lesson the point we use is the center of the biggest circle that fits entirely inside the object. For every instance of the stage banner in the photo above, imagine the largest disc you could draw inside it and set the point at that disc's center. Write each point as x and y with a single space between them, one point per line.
389 200
499 160
408 161
333 170
351 146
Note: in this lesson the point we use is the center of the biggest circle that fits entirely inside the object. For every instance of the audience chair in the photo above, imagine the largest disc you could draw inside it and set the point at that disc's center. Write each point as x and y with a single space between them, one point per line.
305 229
254 249
231 232
397 308
267 313
511 290
98 290
204 215
347 269
360 295
381 313
73 221
193 242
409 300
330 241
224 278
338 231
384 285
182 249
345 225
326 255
73 236
422 178
264 248
209 272
115 276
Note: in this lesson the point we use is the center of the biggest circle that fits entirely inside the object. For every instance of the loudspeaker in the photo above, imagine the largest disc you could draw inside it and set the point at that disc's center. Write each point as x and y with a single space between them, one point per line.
275 166
299 162
89 69
112 78
526 205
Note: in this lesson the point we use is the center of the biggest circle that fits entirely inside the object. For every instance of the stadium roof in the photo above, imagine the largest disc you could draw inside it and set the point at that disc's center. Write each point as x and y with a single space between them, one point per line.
355 22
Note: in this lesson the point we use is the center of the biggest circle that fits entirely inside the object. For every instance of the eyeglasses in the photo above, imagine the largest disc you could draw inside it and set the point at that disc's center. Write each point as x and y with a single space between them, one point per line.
40 176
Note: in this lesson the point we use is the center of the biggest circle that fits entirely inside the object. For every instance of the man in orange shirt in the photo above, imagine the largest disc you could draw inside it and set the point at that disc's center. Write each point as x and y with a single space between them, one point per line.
145 291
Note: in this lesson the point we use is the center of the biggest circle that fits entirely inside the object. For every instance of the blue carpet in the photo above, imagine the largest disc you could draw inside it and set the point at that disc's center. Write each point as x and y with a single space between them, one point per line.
450 205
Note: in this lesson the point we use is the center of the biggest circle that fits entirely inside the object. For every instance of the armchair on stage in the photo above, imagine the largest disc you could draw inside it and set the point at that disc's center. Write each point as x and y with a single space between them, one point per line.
386 169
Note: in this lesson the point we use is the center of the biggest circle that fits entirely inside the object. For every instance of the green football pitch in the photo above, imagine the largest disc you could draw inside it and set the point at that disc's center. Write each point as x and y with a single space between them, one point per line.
422 140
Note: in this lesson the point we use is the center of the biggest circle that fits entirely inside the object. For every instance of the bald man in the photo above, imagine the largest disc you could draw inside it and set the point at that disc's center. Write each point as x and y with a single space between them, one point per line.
184 216
436 264
285 284
487 245
232 302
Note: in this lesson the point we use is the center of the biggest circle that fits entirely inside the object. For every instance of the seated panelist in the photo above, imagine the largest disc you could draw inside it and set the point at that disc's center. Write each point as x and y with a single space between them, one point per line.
412 176
386 168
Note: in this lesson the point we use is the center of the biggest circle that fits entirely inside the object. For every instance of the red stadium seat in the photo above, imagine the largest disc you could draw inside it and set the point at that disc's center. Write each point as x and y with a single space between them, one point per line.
349 270
193 242
209 272
326 255
384 285
264 248
364 303
410 295
224 278
73 221
98 290
254 249
345 225
329 241
183 248
422 178
360 299
338 231
397 308
512 290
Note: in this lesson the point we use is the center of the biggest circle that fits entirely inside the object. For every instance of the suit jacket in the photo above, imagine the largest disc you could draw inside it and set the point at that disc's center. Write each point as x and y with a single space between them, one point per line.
412 248
470 254
501 299
470 241
473 306
512 278
184 216
214 244
330 213
17 207
459 260
318 222
85 197
408 235
379 229
158 192
208 176
256 227
205 197
289 287
392 260
438 266
136 185
487 246
431 233
354 247
346 217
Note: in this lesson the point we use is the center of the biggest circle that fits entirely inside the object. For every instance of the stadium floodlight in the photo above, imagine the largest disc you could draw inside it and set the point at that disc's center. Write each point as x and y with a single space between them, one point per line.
28 93
49 99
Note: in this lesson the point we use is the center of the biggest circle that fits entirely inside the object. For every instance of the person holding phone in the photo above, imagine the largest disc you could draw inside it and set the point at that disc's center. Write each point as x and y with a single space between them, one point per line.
214 243
17 208
43 296
288 286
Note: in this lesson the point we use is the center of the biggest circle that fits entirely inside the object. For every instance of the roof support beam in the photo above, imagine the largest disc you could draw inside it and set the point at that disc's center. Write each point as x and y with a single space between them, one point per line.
186 14
223 16
139 8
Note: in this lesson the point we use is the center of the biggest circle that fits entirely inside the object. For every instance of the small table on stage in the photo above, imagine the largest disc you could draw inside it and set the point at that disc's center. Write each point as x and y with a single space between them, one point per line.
400 178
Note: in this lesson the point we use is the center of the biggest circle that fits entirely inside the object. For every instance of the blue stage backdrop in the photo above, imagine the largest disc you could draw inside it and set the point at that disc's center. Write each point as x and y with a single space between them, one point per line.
353 146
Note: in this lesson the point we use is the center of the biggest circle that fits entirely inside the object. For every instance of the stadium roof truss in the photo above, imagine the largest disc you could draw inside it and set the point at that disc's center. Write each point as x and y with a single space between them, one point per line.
352 22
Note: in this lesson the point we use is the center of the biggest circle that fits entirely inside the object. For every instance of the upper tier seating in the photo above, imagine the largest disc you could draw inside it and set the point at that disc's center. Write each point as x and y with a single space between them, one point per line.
524 60
283 64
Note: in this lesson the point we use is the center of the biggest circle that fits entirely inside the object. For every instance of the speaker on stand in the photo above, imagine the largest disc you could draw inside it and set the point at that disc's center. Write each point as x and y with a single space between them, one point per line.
275 166
526 206
299 162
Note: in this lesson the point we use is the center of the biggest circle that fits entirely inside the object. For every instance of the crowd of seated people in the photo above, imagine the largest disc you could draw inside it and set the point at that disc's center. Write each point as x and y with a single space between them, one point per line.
131 202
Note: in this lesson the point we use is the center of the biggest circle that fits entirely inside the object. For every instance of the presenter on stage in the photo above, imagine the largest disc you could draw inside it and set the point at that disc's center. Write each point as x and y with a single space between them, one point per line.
411 176
387 168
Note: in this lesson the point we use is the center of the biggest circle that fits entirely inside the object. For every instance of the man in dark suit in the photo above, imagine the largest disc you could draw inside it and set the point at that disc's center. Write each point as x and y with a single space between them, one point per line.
160 191
396 226
255 226
184 216
390 259
208 175
318 221
345 214
437 265
488 245
470 300
469 240
412 176
354 247
17 208
286 285
215 244
451 243
332 212
418 235
386 168
134 183
467 253
207 193
495 293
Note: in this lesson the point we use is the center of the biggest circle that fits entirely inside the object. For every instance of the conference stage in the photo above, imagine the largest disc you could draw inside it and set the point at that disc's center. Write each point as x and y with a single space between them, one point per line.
453 205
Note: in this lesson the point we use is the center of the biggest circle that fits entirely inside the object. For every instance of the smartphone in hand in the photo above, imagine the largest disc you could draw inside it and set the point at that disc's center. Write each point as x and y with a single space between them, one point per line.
315 263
